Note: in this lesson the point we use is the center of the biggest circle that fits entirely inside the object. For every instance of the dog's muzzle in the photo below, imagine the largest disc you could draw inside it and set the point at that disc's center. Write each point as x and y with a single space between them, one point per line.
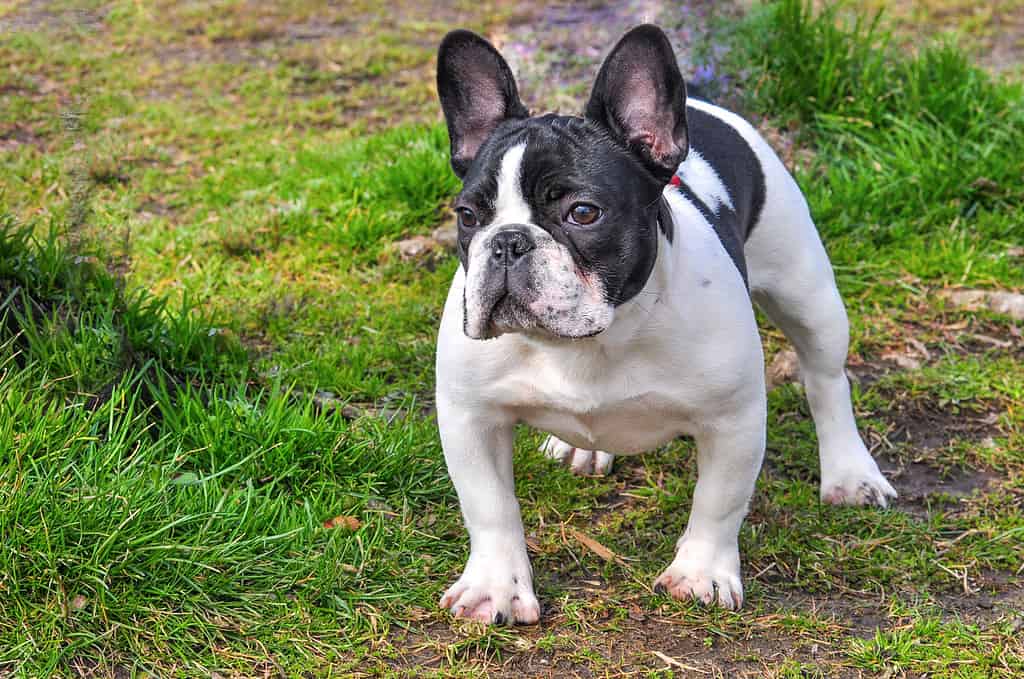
500 301
519 279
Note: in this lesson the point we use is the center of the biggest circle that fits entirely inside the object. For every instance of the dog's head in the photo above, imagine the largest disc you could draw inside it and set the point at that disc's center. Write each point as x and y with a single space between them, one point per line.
558 215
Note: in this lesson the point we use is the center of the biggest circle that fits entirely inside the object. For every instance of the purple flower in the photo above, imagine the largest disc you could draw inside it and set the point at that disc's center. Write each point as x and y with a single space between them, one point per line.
704 73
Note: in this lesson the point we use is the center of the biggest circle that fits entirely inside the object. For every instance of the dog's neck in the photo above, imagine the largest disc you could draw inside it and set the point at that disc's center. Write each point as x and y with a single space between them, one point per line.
632 317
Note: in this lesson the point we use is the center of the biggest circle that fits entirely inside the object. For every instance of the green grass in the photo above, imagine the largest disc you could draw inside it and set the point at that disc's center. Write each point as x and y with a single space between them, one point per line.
169 485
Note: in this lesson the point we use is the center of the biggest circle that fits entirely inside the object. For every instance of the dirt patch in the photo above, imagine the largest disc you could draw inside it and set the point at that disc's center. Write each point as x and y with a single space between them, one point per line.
920 483
644 640
919 434
633 637
16 135
925 426
987 598
926 490
640 642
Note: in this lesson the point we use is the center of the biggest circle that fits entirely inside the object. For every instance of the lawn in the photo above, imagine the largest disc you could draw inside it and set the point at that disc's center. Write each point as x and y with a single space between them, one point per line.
217 449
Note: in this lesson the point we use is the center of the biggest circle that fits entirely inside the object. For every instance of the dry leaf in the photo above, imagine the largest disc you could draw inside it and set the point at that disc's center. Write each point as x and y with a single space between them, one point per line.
346 522
921 348
596 547
672 662
785 367
533 544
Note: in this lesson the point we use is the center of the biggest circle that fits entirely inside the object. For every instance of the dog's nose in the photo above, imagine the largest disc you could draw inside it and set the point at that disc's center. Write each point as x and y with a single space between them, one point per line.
509 245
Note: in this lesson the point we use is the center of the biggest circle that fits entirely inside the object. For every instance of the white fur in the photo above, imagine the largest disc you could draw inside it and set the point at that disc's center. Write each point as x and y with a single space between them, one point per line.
698 174
509 206
682 357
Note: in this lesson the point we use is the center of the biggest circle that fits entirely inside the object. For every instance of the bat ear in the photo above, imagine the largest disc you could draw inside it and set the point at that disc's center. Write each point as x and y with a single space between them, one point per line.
478 93
640 96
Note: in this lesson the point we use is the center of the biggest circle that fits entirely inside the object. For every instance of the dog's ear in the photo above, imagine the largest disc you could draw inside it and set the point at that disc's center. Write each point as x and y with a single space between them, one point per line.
640 96
477 91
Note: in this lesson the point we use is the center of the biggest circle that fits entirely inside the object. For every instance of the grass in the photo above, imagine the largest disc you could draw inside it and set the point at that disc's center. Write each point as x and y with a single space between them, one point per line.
211 246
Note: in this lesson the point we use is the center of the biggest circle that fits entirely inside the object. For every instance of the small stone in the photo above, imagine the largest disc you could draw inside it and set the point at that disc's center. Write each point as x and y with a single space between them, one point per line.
415 247
999 301
904 361
446 236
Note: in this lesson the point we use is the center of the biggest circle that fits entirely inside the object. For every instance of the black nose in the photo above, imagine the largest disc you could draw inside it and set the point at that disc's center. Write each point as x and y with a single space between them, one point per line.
509 245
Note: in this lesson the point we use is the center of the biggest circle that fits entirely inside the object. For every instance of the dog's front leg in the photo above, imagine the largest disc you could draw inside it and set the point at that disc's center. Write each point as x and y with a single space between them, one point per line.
707 562
497 583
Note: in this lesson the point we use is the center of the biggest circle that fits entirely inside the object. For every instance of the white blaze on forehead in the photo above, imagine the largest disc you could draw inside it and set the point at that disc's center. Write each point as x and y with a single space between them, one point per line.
510 207
702 179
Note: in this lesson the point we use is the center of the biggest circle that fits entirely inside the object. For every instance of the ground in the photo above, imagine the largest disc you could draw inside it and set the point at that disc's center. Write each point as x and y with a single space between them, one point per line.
221 271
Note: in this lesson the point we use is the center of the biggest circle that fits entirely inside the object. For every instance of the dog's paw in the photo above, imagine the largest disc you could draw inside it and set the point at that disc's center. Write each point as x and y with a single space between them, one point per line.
857 486
581 461
704 574
495 595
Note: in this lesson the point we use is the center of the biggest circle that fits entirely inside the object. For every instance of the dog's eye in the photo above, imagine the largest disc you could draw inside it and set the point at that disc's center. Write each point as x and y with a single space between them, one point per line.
583 214
467 217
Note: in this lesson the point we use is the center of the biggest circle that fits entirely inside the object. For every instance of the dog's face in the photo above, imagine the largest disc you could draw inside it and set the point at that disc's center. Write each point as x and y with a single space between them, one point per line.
558 215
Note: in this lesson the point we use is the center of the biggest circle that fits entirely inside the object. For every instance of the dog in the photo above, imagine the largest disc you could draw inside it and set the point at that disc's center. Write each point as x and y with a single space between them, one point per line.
607 267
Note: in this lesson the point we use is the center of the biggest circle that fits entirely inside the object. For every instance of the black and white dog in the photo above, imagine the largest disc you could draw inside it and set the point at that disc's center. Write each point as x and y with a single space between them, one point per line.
606 301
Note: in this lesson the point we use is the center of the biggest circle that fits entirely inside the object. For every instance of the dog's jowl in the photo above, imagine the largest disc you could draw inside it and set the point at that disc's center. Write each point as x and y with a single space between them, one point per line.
608 262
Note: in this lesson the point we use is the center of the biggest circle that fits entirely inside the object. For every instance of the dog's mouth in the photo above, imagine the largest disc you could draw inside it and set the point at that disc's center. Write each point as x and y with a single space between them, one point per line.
511 315
507 314
552 300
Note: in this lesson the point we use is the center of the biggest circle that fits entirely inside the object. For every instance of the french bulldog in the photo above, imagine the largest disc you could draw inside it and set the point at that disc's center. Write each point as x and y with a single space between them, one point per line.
607 267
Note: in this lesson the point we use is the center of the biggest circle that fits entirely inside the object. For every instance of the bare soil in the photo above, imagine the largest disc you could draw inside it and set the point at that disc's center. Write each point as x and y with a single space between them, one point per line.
654 640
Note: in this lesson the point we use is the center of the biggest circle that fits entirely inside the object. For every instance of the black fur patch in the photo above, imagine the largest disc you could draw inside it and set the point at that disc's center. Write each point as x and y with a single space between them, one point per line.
665 223
736 164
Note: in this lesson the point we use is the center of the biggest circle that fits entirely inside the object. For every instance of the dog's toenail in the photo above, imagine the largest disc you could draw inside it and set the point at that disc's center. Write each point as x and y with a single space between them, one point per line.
659 588
499 618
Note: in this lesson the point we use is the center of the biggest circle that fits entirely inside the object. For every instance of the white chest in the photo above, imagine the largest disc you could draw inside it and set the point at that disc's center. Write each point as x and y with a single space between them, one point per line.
620 405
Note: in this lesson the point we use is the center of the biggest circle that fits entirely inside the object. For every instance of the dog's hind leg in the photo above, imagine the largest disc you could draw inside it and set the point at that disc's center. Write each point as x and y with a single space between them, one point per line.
581 461
791 280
